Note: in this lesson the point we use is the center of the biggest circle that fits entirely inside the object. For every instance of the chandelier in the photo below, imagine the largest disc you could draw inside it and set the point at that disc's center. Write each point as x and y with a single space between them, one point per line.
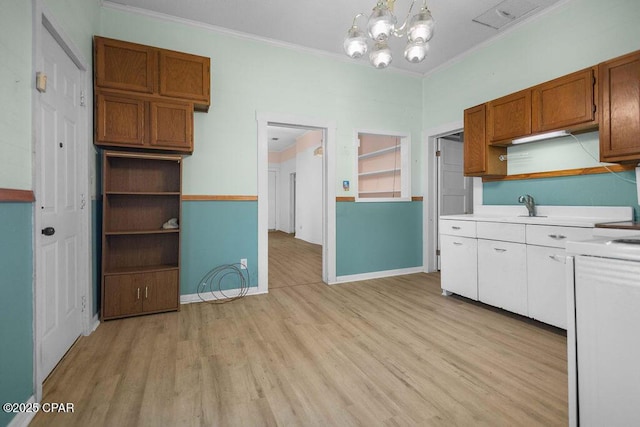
382 25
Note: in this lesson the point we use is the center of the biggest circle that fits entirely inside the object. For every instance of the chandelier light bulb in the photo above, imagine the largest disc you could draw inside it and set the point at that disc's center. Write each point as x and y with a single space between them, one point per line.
381 22
416 51
421 26
380 56
355 44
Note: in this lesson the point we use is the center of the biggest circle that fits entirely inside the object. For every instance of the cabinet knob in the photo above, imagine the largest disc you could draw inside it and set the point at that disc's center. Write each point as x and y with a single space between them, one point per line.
146 292
457 243
499 249
455 227
138 297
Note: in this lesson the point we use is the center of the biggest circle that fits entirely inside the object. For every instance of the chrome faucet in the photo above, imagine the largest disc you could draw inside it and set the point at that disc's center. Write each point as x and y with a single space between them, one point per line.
529 203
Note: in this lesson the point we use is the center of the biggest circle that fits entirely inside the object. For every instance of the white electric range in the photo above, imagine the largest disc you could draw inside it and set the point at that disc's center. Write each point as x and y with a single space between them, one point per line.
603 335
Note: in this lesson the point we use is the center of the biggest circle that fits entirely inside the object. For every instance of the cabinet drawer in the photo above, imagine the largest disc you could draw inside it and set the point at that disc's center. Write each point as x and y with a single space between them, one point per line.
554 236
452 227
504 232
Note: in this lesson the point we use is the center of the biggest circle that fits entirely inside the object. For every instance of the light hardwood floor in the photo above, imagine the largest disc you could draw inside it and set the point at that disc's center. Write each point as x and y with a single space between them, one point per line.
391 351
293 261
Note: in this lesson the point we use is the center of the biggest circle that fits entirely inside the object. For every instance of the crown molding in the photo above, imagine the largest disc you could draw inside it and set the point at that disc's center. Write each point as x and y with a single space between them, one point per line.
108 4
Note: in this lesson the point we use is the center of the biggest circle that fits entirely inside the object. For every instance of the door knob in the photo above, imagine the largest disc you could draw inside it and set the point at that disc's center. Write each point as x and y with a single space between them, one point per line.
49 231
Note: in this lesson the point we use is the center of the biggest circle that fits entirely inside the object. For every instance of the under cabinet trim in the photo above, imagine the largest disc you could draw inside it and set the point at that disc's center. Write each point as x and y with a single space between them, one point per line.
564 172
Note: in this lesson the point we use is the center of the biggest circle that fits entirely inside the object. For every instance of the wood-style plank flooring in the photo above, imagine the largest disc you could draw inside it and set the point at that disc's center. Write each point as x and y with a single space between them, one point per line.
390 351
293 261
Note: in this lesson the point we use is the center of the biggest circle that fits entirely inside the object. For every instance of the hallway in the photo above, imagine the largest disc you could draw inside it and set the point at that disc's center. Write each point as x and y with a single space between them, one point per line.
293 261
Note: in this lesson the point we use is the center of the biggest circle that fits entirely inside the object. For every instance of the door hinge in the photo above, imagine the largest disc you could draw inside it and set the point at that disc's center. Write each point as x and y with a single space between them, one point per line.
438 153
595 107
438 252
84 303
83 102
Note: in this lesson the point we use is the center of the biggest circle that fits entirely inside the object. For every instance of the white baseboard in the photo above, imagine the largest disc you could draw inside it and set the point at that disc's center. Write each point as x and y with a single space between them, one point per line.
208 296
377 275
22 419
95 322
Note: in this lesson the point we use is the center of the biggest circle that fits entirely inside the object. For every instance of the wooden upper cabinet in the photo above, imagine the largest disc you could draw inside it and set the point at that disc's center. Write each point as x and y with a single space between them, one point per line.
185 76
120 120
125 66
509 117
564 102
620 109
480 159
172 126
145 96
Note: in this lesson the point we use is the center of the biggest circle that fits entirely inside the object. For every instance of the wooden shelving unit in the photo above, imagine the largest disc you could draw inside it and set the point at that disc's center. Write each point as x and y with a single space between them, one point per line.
140 259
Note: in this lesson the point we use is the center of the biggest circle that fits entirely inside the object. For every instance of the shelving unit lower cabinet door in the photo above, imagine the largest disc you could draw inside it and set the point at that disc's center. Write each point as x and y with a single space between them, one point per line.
502 275
140 293
161 291
546 288
121 295
459 265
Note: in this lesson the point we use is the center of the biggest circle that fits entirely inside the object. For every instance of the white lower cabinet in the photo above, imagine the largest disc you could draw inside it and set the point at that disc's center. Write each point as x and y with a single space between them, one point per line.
502 275
456 252
547 291
514 266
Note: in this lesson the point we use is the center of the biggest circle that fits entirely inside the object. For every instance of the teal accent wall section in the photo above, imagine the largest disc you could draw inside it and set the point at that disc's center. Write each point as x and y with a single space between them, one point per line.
377 236
215 233
603 189
16 304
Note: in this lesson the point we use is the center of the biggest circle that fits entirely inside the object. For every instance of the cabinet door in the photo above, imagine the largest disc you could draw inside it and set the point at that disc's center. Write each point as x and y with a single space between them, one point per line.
479 158
160 290
185 76
122 296
546 288
510 116
563 102
125 66
120 120
502 275
459 265
620 108
172 126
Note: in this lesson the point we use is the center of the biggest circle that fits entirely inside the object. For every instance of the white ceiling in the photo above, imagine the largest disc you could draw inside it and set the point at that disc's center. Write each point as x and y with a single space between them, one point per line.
285 137
322 24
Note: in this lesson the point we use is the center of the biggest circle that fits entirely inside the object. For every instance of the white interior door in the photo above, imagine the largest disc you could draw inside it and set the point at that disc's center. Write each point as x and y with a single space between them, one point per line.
455 191
60 251
272 200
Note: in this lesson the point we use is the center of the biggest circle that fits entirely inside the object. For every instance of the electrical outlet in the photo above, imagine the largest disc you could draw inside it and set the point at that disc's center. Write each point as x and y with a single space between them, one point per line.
243 263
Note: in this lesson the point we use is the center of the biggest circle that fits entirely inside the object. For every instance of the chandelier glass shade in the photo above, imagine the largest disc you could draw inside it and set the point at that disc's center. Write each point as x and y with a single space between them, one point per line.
381 26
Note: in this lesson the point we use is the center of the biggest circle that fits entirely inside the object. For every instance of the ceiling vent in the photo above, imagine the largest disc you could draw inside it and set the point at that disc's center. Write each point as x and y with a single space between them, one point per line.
505 13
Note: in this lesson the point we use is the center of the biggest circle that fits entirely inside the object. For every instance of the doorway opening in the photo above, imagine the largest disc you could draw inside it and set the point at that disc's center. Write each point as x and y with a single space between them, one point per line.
455 191
324 207
295 205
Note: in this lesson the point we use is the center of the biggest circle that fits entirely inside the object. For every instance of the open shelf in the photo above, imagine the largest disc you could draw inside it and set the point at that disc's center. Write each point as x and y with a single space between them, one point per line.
379 152
139 232
143 269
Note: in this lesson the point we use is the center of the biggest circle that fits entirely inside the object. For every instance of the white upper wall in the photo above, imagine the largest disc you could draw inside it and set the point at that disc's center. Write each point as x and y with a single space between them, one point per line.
251 76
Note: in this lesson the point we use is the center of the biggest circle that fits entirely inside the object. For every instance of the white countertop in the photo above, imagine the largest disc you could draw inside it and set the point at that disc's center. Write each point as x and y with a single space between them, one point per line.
606 247
569 216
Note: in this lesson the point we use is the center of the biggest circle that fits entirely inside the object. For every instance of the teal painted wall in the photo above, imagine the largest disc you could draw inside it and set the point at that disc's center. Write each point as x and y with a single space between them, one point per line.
215 233
378 236
16 307
582 190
